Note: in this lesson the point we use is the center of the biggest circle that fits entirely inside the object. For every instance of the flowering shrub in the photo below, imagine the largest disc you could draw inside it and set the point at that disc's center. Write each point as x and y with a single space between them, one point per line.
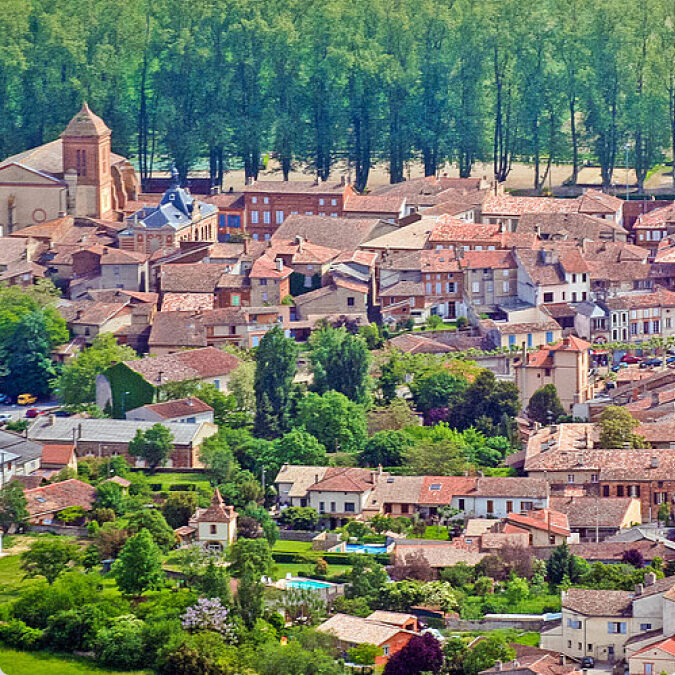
209 614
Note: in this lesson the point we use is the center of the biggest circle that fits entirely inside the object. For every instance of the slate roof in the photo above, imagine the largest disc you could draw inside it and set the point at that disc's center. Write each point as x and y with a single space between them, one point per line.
186 365
21 448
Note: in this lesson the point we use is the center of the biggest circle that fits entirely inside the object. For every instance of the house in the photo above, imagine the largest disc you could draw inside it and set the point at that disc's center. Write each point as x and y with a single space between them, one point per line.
45 502
451 232
267 204
58 456
521 327
75 174
216 526
341 296
292 483
602 624
18 456
596 520
123 483
189 410
443 283
242 326
534 661
565 365
175 331
386 207
544 527
490 280
657 657
109 437
350 631
270 281
123 269
134 383
178 217
637 316
575 227
100 317
231 214
650 228
438 554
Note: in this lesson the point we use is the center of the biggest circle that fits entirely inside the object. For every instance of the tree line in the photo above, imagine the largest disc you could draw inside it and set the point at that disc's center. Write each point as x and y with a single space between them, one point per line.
236 81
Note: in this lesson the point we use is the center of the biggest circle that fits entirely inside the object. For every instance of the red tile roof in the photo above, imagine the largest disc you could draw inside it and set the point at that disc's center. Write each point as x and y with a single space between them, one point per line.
58 496
445 488
57 454
451 229
439 260
545 519
266 268
667 645
218 512
187 302
180 407
340 479
496 260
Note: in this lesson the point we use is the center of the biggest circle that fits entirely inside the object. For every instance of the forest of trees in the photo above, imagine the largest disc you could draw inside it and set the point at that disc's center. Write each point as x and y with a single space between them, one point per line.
226 82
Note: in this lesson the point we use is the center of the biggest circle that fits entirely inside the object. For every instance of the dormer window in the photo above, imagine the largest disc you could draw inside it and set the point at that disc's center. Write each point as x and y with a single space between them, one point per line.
435 487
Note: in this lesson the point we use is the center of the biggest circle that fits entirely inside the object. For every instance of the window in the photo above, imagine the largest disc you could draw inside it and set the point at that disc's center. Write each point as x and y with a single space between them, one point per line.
349 507
574 623
569 644
213 529
234 221
333 215
509 507
254 200
616 627
449 286
649 668
645 626
350 302
590 647
574 278
475 287
236 300
266 200
254 218
549 336
460 504
333 202
512 340
529 339
435 487
619 490
264 296
385 650
570 478
404 508
279 217
263 282
309 213
490 506
332 507
526 506
322 507
267 217
548 297
506 287
322 202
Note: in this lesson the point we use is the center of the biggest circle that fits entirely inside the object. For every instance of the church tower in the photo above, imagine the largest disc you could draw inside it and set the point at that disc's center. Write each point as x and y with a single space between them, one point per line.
86 164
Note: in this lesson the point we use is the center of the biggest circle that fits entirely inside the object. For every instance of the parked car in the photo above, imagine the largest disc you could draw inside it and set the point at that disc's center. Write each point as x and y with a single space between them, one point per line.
630 358
651 363
4 418
62 413
5 399
618 367
32 413
587 662
670 359
26 399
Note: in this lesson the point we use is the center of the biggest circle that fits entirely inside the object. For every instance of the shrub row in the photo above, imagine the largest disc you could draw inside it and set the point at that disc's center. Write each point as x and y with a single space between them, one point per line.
330 558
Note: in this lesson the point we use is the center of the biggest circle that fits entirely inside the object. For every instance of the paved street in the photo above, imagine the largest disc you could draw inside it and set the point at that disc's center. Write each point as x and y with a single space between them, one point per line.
19 411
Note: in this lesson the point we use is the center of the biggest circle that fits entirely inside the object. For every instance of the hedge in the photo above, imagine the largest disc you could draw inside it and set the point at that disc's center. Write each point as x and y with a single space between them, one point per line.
330 558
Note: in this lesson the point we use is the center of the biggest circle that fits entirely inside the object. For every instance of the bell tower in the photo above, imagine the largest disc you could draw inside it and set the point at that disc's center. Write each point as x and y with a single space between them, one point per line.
86 164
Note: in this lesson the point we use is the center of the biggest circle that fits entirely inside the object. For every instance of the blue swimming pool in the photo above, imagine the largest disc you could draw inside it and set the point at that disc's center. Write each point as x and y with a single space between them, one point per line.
306 583
372 549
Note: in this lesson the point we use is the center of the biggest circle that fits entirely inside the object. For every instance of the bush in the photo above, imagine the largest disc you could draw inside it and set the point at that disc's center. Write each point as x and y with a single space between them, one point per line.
74 629
17 634
121 645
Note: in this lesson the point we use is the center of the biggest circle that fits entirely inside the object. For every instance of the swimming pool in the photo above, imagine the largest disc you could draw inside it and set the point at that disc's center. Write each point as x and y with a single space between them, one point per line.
306 583
372 549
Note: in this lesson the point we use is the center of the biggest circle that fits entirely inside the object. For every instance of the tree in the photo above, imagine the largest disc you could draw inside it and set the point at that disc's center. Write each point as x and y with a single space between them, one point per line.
545 406
486 653
121 644
562 564
250 596
664 513
340 362
444 457
76 384
154 445
214 582
27 366
335 421
295 447
139 566
633 557
423 653
179 508
275 369
13 509
367 579
110 496
154 522
364 654
49 557
617 429
385 448
303 606
250 555
300 517
438 389
110 539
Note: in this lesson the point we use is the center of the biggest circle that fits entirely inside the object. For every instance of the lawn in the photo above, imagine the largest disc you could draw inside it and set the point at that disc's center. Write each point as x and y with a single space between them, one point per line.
45 663
435 532
11 578
188 478
293 547
303 569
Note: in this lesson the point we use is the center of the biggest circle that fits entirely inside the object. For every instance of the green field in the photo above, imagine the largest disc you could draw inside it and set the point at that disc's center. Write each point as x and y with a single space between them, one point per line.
14 662
305 548
188 478
11 578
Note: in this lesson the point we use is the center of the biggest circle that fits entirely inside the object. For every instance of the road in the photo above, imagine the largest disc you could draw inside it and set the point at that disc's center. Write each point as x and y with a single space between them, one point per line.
19 411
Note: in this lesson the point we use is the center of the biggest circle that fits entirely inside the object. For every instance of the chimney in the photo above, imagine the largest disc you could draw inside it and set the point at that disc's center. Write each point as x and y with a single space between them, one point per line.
563 660
655 399
316 478
639 589
280 264
189 401
499 665
79 431
650 579
50 420
343 182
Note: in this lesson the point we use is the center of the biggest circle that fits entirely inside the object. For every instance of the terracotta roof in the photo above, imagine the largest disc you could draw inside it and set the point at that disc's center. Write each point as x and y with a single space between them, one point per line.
392 618
295 187
567 225
389 204
86 123
266 268
496 260
542 663
355 630
341 479
572 261
409 237
190 277
491 541
417 189
350 284
300 477
598 603
186 365
508 205
180 407
548 520
541 272
487 486
665 645
591 511
57 454
177 329
343 234
439 554
419 344
58 496
118 480
594 201
601 270
450 229
98 313
403 288
439 260
441 489
116 256
227 200
187 302
217 512
659 297
302 251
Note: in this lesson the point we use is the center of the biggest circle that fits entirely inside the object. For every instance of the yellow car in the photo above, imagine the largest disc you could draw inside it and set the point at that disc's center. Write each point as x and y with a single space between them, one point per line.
26 399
